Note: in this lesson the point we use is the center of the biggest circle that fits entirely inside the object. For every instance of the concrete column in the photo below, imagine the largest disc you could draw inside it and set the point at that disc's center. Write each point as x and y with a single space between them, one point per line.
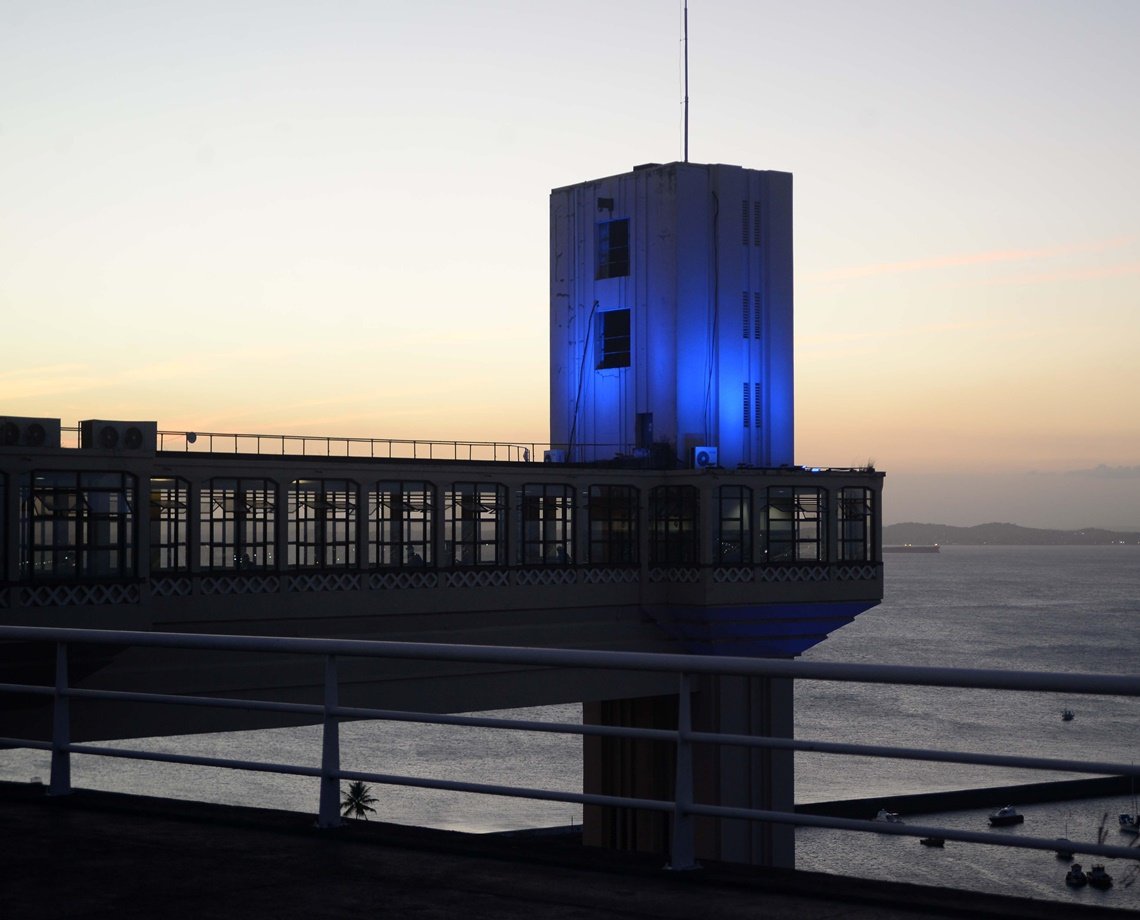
742 777
620 766
722 775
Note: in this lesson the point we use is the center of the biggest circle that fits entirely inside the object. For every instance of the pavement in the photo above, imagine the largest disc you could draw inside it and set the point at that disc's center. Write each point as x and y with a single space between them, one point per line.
96 855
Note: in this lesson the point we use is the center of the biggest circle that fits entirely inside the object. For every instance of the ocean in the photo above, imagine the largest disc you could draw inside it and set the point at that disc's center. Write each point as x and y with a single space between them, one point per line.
1050 608
1072 609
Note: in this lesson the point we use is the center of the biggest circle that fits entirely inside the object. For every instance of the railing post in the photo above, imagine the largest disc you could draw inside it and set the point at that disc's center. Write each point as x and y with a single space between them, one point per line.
329 812
683 851
60 727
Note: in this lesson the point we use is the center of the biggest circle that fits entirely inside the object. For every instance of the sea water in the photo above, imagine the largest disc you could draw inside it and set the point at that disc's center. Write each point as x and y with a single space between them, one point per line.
1067 609
1056 608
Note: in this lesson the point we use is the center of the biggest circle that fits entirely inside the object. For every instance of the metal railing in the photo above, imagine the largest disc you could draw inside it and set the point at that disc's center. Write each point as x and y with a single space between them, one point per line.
311 445
293 445
305 445
683 808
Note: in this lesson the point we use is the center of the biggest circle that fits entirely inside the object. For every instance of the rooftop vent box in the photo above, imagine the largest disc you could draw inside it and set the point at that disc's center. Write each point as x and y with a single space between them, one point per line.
120 437
704 457
16 431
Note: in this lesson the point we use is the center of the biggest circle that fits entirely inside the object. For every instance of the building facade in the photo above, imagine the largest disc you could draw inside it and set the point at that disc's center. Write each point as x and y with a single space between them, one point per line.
671 316
666 513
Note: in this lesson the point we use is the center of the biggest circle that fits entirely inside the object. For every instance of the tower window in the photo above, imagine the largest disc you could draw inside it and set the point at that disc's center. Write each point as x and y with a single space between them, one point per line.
612 339
613 248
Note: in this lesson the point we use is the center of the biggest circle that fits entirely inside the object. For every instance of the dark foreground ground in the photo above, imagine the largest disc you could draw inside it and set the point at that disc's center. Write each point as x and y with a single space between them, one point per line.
102 855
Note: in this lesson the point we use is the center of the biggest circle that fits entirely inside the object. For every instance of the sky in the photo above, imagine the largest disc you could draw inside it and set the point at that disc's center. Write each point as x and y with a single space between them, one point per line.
290 217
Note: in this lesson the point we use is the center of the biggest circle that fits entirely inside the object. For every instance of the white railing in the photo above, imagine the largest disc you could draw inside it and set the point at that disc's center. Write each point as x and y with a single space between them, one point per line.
683 809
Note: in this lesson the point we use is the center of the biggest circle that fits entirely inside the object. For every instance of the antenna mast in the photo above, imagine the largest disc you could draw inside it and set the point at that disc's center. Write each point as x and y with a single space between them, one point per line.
686 42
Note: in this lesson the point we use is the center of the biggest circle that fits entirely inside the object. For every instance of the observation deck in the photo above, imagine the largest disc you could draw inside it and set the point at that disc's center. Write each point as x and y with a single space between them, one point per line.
481 543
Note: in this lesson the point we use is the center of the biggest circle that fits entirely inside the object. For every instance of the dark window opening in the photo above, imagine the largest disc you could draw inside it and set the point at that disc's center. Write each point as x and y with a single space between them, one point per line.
548 524
475 523
612 337
613 248
3 530
734 540
613 525
856 520
77 525
401 524
237 523
169 520
793 525
322 524
674 530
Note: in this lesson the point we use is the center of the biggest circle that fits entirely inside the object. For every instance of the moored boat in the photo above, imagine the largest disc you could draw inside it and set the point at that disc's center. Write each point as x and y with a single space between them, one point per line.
1075 877
933 841
891 817
1098 878
1130 824
1005 816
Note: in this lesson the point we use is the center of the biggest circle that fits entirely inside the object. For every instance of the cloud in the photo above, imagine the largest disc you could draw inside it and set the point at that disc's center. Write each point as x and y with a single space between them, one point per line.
1104 471
1094 273
966 260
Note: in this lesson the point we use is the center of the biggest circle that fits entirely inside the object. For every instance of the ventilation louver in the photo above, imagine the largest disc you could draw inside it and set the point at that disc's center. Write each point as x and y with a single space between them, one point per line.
28 432
123 437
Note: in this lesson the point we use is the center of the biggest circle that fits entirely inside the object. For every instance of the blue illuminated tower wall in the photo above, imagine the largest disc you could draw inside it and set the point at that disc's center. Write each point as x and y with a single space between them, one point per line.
671 304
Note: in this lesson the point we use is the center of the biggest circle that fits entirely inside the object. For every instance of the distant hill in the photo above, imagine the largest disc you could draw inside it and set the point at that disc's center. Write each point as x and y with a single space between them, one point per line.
1000 535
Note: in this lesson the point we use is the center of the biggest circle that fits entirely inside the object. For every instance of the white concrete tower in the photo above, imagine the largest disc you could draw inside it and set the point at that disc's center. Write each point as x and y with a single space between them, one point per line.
671 308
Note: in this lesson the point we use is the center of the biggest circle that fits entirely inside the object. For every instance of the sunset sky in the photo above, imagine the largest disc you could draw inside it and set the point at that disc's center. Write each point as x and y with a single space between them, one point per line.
331 217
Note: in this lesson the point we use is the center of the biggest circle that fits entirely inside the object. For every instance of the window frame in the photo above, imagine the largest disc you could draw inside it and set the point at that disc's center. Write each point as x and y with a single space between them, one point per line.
674 525
799 534
547 536
475 524
611 249
613 512
78 525
321 529
734 530
613 339
237 524
401 523
169 522
855 521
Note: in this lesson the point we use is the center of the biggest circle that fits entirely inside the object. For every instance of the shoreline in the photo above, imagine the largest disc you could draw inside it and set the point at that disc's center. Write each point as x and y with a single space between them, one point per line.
967 799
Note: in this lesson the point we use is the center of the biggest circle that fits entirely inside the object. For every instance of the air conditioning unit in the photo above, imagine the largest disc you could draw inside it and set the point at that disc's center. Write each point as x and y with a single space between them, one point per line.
554 456
704 457
28 432
121 437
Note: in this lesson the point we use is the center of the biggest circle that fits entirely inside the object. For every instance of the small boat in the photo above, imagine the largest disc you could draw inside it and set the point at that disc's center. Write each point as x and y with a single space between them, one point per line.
1068 715
1005 816
1130 824
1098 878
933 841
891 817
1075 878
1063 851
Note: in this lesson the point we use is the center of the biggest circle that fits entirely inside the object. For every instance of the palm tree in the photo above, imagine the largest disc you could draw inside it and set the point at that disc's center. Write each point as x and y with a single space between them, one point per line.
358 800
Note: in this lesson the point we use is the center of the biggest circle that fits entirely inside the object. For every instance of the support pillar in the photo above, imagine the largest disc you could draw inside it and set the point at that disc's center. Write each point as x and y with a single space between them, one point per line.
735 776
628 767
746 777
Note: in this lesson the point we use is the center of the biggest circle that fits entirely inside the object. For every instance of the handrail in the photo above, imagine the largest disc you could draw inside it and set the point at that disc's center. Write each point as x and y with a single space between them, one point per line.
312 445
330 446
683 808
